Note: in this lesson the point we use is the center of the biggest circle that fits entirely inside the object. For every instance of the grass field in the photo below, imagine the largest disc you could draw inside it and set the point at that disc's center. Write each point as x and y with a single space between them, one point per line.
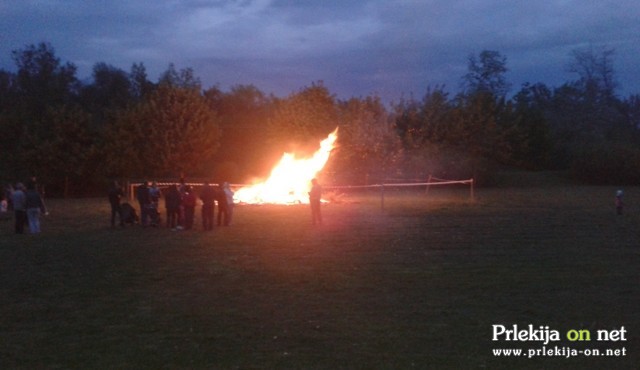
416 285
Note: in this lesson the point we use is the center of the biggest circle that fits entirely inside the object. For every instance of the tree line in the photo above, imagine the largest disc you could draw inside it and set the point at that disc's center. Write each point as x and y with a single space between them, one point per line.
75 136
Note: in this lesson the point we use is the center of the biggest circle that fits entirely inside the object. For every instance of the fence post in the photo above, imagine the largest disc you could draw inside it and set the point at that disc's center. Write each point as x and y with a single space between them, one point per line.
472 193
426 191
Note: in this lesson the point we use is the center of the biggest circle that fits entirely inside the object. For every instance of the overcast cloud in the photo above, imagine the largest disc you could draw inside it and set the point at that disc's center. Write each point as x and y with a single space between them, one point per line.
357 48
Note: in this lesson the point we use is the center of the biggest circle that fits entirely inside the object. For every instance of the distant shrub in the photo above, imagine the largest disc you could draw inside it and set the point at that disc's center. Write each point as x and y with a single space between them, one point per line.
448 163
607 164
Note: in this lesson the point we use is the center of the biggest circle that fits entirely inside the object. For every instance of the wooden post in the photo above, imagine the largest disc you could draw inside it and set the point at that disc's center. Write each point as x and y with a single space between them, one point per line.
426 191
472 193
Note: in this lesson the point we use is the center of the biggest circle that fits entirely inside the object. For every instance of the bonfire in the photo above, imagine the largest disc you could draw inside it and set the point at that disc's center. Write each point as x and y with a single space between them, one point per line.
290 180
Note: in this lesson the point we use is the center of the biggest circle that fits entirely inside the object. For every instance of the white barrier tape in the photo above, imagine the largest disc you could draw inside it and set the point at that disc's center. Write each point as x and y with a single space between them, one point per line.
464 182
432 183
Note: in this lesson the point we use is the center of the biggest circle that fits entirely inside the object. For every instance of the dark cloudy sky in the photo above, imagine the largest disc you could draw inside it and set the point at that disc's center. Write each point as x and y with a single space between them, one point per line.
358 48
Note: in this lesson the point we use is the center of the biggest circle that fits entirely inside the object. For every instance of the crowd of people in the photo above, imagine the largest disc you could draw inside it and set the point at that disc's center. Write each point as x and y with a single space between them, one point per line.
180 202
27 206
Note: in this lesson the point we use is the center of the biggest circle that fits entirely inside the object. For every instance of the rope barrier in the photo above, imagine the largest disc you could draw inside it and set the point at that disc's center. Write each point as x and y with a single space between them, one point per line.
408 184
132 186
449 182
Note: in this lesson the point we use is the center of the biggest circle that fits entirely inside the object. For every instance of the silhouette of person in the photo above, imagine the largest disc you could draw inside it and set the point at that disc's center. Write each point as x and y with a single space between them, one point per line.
315 195
208 205
115 195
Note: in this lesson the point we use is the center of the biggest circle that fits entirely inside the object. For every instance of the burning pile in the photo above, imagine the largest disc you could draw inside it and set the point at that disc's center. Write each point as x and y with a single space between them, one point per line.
290 179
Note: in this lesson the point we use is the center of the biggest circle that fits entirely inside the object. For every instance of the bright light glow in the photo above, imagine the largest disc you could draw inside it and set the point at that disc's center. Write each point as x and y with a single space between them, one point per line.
290 179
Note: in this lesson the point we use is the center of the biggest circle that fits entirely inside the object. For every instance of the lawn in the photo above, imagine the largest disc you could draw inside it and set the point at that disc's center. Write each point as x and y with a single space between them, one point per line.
417 284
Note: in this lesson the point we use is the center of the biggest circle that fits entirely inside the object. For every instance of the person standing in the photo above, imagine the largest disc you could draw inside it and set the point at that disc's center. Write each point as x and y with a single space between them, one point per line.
208 205
172 204
182 189
154 197
19 200
34 206
144 200
115 195
229 197
189 202
315 196
155 193
221 199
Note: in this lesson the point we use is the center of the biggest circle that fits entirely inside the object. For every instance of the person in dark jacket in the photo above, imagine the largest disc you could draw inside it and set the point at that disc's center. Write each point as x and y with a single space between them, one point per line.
128 213
35 207
19 201
172 203
223 210
115 195
208 205
189 202
144 200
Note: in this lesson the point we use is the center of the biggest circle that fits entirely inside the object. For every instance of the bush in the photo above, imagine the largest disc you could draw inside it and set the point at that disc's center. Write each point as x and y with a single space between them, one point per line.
607 164
448 163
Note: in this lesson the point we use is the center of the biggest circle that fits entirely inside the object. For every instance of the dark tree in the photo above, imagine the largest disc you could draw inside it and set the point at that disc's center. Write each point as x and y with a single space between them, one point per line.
171 131
530 140
304 117
185 78
244 112
424 123
140 84
42 81
42 85
67 161
109 92
486 74
368 146
596 76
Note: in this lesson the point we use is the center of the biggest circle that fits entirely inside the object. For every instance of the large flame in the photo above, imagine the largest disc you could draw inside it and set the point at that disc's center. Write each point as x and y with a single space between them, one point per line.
290 179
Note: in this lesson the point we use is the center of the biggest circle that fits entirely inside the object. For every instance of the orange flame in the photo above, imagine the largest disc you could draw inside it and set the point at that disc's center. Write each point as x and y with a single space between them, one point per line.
289 181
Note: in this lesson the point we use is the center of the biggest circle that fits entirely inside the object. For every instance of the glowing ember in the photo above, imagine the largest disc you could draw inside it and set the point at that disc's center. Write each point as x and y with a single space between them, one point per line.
290 179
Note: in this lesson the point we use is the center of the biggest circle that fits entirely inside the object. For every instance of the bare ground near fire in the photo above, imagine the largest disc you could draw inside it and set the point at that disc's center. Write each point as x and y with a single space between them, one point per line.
417 284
